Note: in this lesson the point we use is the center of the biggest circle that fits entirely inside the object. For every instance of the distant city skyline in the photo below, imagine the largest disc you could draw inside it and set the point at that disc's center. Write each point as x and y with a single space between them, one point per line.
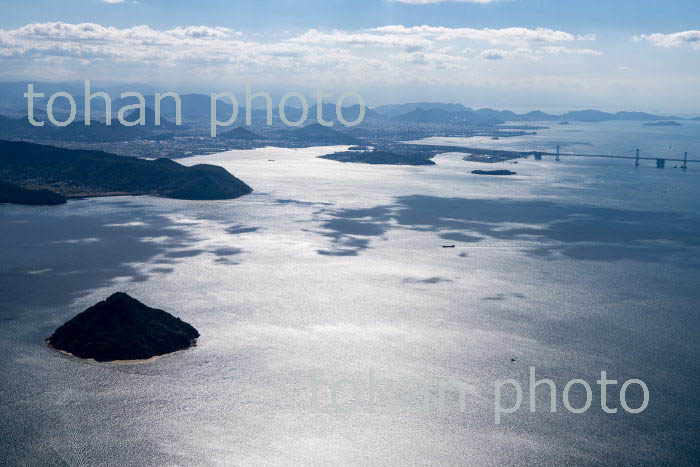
517 54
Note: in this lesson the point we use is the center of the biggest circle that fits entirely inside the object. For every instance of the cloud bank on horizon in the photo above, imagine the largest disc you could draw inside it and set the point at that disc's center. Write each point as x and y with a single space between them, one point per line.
391 53
523 65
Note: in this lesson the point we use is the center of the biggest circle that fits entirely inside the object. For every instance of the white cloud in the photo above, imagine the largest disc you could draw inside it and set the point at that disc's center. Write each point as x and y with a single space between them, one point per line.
514 35
500 54
685 38
202 32
92 32
567 51
387 55
113 1
497 54
360 39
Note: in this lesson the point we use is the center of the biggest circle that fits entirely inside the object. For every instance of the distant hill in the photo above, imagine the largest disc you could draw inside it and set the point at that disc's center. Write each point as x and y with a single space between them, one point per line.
639 116
536 115
350 113
12 128
21 128
241 134
194 107
99 172
150 117
586 116
419 115
96 132
393 110
321 135
441 116
14 194
493 115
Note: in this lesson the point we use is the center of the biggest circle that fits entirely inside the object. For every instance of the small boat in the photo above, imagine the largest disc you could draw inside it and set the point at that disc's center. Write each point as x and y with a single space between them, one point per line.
448 246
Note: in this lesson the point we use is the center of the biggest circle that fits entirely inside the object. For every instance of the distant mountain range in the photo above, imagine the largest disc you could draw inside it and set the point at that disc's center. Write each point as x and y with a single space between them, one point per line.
394 110
79 131
196 108
456 113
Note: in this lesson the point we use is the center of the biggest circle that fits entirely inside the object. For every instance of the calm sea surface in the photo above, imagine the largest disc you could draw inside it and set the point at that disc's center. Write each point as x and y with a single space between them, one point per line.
339 271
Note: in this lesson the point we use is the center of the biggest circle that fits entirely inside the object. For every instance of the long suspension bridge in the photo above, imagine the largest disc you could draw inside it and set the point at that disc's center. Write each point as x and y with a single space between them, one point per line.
635 154
495 155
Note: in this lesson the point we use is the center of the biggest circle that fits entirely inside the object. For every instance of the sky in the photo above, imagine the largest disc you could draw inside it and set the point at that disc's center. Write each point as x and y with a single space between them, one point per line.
515 54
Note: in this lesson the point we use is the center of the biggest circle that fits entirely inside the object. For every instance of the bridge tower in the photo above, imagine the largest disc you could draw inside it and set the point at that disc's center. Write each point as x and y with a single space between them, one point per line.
557 159
685 161
636 159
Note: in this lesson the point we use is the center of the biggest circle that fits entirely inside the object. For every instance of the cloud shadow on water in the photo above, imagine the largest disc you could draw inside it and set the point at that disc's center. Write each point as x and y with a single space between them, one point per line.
548 229
427 280
241 229
58 256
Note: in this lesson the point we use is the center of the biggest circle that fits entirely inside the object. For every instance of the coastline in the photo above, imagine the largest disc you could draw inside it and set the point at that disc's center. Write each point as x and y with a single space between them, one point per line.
106 194
48 345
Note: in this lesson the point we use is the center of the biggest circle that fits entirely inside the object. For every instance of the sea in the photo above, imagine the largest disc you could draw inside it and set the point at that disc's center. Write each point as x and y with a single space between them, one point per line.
354 314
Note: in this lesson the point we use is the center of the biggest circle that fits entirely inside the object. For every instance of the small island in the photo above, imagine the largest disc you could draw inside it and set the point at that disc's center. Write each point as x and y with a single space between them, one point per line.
380 157
493 172
122 328
14 194
666 123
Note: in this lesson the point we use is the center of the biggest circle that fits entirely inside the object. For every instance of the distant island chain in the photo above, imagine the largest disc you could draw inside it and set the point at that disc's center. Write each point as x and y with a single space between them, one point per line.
215 97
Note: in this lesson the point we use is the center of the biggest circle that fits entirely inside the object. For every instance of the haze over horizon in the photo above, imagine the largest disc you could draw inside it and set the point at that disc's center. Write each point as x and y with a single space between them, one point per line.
519 55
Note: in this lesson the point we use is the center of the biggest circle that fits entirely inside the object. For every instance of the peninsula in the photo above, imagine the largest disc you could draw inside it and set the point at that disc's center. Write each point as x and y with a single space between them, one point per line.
14 194
74 173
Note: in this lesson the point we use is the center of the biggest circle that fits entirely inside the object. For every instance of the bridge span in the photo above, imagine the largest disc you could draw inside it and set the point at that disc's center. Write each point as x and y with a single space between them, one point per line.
660 161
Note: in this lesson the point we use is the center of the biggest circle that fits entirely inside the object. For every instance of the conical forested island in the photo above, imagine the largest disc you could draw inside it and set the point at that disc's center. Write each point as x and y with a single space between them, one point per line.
122 328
